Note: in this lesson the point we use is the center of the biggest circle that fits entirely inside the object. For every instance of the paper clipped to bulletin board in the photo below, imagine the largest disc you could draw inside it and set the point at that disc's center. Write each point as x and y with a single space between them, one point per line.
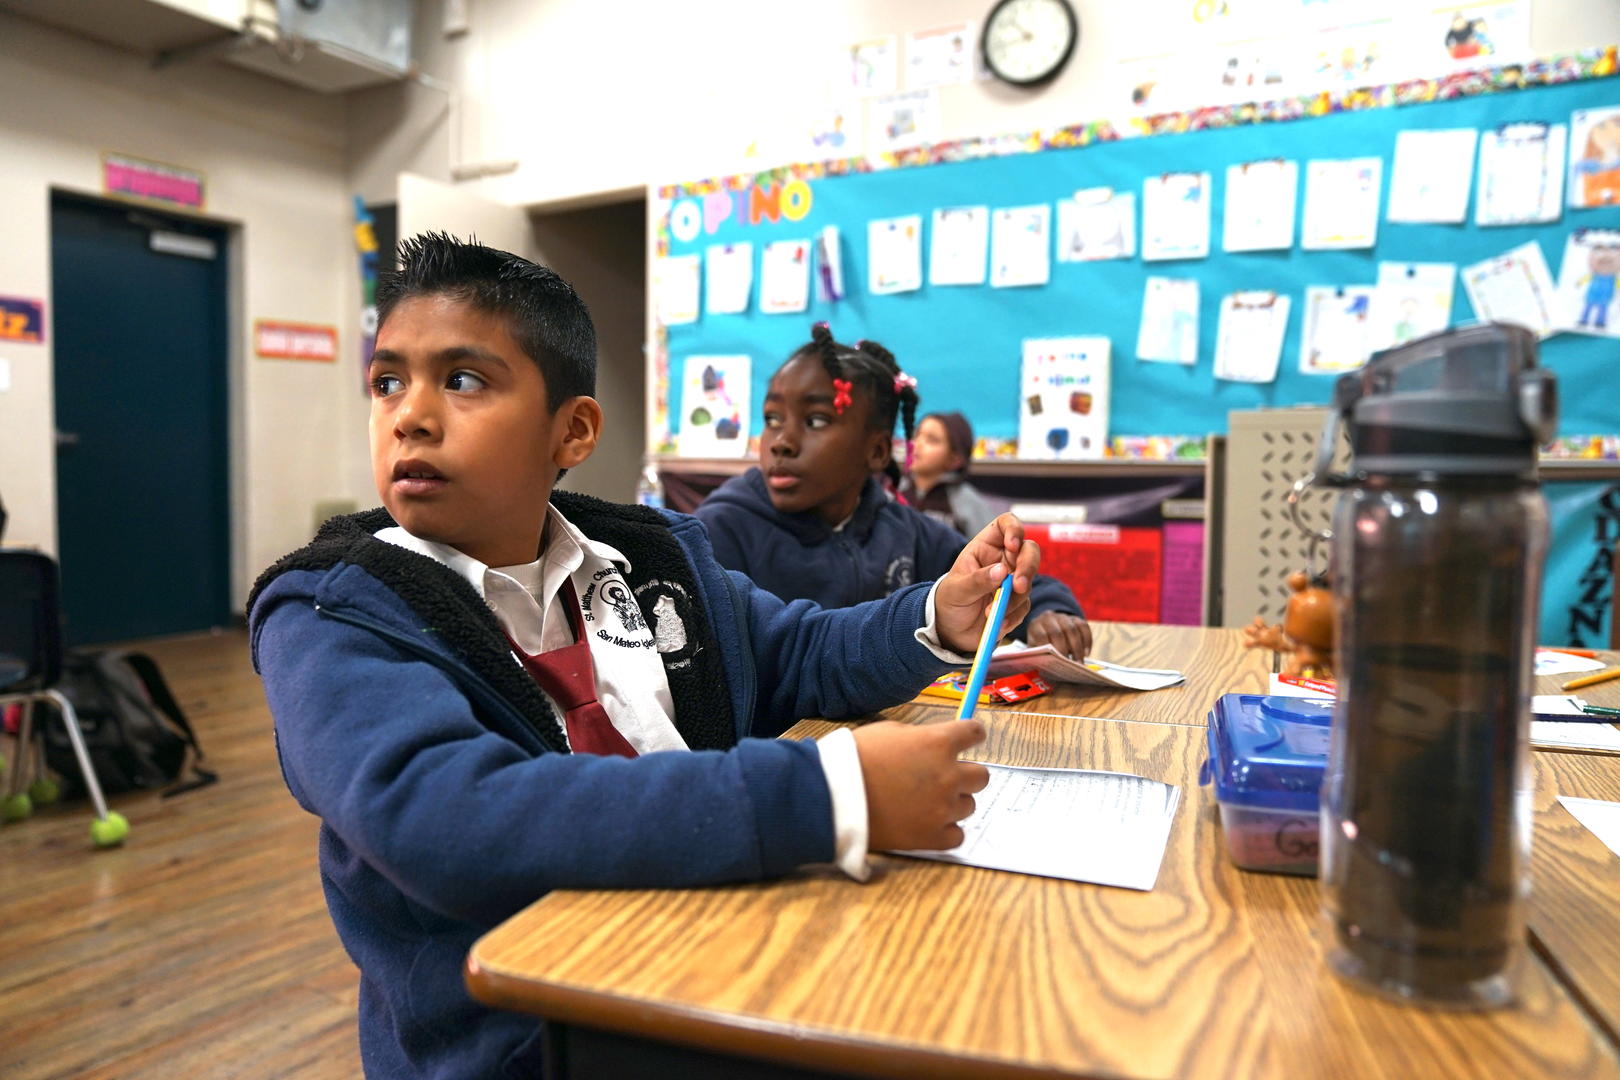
1063 399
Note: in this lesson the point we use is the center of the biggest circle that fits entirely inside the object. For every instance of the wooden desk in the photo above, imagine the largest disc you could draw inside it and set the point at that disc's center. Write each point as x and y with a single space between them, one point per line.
1213 659
958 972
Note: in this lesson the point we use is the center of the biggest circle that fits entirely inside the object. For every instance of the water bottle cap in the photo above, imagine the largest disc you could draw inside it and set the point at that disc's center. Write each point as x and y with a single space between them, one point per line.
1464 401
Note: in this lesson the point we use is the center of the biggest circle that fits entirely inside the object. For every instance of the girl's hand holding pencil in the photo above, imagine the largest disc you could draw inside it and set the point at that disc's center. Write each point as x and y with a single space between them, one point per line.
965 597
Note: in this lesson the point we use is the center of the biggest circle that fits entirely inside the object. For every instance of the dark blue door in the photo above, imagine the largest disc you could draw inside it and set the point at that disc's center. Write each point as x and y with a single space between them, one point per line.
143 512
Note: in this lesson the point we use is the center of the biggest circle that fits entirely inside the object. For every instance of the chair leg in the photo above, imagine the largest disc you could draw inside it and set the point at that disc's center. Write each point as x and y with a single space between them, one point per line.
17 804
109 828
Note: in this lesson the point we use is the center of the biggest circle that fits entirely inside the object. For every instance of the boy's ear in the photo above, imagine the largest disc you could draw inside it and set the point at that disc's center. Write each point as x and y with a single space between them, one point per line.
879 451
575 431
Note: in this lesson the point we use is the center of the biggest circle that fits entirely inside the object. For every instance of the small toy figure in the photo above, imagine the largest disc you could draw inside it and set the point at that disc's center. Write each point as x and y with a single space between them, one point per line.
1306 633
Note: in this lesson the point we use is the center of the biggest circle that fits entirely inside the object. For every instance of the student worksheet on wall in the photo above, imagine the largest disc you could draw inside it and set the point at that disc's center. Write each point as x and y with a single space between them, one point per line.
1103 827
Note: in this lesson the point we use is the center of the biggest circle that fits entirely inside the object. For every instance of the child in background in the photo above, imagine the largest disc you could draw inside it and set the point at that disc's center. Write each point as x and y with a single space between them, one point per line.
814 522
471 684
936 483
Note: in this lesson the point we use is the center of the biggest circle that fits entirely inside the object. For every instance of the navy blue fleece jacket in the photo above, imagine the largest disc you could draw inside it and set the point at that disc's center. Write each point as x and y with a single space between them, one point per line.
884 547
448 799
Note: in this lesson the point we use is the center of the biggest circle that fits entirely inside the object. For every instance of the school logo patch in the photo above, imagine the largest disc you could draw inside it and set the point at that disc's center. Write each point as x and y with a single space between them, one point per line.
624 606
902 571
668 611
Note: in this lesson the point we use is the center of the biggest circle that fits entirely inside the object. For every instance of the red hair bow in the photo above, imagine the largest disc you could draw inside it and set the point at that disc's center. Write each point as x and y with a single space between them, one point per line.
841 395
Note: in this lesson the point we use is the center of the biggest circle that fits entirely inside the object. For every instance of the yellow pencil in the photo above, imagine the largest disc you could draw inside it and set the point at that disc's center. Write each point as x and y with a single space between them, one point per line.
1589 680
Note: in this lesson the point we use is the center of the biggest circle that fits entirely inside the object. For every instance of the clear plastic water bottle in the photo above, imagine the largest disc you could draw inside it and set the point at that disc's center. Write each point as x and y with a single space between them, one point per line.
1437 548
649 488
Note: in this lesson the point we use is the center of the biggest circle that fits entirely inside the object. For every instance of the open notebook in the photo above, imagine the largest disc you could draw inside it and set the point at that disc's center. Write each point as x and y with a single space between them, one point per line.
1054 667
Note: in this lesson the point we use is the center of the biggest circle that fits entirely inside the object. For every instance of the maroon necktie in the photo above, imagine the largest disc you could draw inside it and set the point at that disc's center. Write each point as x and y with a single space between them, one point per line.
567 675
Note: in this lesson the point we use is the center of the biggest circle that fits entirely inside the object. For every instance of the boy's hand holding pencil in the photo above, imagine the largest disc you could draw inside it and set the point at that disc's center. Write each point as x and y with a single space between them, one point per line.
964 597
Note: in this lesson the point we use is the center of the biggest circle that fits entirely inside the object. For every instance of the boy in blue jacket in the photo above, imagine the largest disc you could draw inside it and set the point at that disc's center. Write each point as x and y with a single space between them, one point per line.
486 689
814 522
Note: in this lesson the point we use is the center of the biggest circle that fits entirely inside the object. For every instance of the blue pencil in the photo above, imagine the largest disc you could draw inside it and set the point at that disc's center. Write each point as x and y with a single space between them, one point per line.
987 645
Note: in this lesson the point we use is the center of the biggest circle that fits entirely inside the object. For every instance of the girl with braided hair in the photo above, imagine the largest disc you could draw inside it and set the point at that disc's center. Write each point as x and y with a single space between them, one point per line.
815 522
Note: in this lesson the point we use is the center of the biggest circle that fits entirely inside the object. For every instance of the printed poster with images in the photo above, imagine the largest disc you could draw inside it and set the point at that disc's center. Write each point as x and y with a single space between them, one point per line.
1521 174
1586 283
1097 223
714 406
1063 399
1337 324
902 122
1594 157
1515 287
941 56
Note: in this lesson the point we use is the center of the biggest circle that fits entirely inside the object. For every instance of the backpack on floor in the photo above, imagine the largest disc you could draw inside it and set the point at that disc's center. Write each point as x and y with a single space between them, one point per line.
134 730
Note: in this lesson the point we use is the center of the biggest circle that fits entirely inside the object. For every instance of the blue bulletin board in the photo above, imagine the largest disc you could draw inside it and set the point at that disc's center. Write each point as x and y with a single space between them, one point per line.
964 344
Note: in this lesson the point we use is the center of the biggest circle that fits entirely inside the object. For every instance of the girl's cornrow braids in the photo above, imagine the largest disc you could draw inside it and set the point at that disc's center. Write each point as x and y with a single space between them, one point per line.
905 397
821 335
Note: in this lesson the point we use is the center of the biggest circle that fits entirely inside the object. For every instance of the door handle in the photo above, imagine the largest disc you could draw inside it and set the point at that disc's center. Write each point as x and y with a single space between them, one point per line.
65 439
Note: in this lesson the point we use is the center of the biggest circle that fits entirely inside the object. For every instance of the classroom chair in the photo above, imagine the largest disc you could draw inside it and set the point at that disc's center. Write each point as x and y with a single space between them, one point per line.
30 665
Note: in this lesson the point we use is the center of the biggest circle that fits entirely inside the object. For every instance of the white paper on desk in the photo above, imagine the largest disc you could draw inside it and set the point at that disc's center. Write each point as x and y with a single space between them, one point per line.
1053 666
1603 818
1175 216
1337 325
1411 300
1341 203
1432 174
1169 328
729 272
1020 246
1568 735
1553 662
1514 287
894 254
959 245
1260 203
1102 827
1278 688
1521 174
1249 337
784 277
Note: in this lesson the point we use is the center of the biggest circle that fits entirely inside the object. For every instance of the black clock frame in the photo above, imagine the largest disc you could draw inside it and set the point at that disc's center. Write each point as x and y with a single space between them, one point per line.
1050 74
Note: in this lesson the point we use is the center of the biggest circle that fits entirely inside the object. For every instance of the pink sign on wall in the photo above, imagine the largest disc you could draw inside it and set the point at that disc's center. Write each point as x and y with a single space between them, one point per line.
151 181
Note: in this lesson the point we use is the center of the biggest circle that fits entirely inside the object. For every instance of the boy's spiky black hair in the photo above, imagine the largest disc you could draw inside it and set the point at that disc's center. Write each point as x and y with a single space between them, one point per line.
546 317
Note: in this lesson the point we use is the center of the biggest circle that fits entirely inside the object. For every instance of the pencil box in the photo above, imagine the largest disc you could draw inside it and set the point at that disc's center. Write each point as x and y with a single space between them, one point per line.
1267 757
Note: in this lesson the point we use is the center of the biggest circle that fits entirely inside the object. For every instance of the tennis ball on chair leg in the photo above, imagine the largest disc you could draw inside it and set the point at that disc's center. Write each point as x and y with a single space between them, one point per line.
44 791
16 807
111 831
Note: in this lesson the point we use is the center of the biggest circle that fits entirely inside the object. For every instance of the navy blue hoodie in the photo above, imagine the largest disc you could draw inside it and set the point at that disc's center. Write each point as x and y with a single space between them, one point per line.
884 547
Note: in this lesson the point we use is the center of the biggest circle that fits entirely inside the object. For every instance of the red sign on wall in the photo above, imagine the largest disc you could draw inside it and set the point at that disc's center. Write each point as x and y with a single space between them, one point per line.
1114 570
294 341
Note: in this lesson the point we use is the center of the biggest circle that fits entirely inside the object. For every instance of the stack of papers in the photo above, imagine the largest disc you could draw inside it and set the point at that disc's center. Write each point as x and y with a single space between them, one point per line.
1054 666
1102 827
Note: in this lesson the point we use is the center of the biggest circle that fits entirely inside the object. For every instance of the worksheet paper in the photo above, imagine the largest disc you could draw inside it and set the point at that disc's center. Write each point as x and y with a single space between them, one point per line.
1602 818
1514 287
714 406
1411 300
784 277
941 56
1588 302
1341 203
677 282
874 66
902 121
894 254
1249 339
1521 174
1169 328
959 246
1594 157
1175 216
1102 827
1097 223
729 273
1053 666
1432 174
1335 337
1063 399
1553 662
1021 246
1260 205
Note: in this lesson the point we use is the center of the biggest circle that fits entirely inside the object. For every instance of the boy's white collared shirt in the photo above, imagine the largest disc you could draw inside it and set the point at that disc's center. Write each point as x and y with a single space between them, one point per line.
631 682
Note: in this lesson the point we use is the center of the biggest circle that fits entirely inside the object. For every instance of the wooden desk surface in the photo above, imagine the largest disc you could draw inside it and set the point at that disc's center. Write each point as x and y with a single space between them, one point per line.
961 972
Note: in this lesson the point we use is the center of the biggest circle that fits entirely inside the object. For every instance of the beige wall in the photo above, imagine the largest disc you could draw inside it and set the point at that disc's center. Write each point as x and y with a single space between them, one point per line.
590 97
275 165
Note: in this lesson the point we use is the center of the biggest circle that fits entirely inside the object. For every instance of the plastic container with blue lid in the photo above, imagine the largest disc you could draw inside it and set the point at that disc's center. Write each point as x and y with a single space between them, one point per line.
1267 756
